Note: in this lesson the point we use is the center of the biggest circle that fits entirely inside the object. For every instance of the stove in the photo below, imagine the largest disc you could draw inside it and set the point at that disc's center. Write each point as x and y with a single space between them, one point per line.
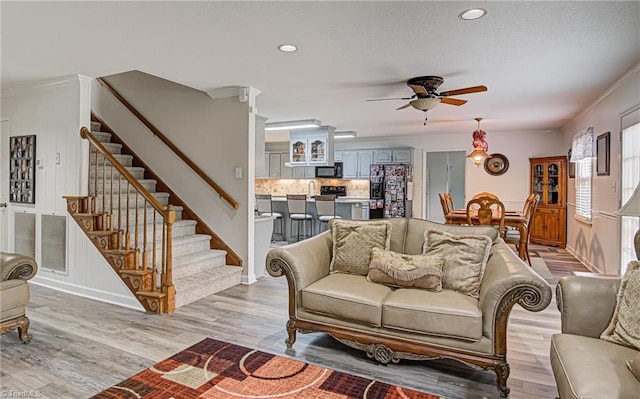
338 191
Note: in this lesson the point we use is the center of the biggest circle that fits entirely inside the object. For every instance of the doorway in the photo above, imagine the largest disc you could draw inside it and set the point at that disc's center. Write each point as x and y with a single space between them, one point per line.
4 185
445 172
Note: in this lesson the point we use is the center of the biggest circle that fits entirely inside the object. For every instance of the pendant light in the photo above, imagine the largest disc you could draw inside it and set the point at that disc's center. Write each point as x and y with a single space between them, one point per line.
480 146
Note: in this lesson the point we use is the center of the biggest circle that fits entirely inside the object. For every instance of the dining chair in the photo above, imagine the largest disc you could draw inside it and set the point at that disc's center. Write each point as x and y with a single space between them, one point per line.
485 194
446 200
513 237
297 206
264 204
325 209
485 211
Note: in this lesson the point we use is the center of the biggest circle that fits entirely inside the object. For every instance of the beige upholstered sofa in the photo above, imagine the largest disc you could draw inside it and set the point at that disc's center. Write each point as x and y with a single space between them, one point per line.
15 270
392 324
585 366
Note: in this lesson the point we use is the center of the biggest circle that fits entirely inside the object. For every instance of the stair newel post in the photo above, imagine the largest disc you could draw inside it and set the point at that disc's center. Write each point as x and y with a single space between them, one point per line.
168 288
120 243
104 186
110 196
144 237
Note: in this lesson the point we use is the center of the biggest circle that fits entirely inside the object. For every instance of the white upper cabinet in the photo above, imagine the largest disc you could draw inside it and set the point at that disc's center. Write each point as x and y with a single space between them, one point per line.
311 146
402 155
365 159
382 156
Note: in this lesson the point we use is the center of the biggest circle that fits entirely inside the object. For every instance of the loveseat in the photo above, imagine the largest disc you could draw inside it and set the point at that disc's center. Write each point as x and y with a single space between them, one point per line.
15 270
585 366
390 324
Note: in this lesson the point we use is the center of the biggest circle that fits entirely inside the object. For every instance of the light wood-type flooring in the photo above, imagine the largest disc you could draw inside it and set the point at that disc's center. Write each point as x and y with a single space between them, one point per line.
81 346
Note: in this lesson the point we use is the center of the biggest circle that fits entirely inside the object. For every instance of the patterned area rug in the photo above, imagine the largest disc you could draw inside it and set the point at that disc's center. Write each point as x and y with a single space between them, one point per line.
215 369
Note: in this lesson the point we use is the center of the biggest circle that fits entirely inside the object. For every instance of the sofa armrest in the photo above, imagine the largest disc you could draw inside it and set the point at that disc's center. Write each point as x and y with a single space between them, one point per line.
17 266
302 263
508 280
586 303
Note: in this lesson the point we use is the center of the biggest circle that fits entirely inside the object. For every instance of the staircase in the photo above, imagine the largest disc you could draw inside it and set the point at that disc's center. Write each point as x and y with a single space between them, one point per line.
135 238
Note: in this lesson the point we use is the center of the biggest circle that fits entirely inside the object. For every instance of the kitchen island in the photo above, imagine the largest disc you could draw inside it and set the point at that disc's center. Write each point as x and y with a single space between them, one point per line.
346 207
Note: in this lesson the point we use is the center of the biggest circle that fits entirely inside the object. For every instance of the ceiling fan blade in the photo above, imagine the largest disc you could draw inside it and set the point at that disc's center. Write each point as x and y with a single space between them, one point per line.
466 90
386 99
452 101
418 89
407 105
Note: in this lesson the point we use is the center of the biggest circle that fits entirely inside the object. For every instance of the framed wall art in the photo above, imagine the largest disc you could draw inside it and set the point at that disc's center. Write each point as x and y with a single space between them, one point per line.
572 166
603 144
22 168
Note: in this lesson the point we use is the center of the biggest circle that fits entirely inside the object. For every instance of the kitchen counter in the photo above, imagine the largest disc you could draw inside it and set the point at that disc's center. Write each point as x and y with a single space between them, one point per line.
339 200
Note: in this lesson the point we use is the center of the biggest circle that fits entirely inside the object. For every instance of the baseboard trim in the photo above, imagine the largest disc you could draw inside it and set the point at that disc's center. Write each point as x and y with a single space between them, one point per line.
85 292
583 260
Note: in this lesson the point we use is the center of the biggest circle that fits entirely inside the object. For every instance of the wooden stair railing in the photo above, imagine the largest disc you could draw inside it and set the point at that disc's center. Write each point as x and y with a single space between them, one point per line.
105 216
223 194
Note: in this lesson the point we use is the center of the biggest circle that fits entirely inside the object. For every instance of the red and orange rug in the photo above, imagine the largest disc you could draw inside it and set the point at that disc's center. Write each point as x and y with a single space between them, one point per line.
215 369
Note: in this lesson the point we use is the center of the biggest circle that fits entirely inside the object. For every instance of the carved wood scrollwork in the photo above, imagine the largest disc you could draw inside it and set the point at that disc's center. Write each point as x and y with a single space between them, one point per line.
384 354
20 272
530 298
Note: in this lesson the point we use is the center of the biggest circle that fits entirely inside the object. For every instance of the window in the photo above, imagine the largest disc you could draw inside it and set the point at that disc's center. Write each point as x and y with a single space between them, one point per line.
630 178
584 169
582 155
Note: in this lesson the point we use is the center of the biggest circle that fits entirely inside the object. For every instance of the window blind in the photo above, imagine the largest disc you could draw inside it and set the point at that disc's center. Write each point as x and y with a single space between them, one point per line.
584 169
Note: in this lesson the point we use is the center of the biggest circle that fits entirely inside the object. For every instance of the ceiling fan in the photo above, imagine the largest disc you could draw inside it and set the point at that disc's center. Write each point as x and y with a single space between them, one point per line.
425 96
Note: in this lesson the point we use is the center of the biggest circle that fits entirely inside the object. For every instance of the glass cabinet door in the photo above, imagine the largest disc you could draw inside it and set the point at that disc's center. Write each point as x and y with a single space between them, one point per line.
553 176
539 181
299 151
318 150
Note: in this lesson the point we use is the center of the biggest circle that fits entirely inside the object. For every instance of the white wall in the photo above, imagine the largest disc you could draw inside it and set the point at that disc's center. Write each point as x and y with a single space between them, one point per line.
597 245
54 111
512 187
212 132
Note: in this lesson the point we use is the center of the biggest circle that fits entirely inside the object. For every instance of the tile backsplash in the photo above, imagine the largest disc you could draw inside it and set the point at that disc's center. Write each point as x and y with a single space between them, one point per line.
281 187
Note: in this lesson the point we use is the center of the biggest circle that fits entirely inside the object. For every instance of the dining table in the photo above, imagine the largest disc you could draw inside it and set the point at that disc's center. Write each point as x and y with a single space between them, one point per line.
514 219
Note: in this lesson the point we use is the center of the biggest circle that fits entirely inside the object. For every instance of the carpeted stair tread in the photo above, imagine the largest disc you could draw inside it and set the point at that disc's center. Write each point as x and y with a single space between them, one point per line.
103 137
197 262
197 286
194 257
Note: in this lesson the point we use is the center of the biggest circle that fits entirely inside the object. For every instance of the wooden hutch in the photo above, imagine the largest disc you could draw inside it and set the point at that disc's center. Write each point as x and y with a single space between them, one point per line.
549 181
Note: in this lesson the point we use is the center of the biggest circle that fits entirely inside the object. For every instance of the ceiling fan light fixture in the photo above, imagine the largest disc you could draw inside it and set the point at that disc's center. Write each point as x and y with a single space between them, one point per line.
472 13
425 104
345 134
287 48
291 125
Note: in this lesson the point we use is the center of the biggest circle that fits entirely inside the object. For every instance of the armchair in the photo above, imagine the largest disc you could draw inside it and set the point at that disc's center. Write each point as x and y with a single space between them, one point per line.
15 270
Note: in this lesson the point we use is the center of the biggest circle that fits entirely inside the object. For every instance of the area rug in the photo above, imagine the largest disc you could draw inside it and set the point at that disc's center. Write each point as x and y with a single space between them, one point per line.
215 369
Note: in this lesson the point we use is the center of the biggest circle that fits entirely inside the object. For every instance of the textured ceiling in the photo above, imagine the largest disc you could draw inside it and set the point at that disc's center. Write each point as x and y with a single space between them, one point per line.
543 62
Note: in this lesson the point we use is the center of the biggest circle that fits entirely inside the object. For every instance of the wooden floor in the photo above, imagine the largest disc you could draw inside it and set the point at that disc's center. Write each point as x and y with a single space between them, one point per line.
81 346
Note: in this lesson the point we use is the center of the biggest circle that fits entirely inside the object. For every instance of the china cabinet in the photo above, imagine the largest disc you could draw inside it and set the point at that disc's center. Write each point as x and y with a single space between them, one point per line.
549 181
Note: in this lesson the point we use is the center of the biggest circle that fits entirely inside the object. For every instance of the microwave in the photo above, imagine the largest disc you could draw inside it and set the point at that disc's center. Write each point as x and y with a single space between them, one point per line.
330 172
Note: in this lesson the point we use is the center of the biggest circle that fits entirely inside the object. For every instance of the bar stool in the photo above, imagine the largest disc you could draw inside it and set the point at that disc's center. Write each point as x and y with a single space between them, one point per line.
297 206
325 209
265 208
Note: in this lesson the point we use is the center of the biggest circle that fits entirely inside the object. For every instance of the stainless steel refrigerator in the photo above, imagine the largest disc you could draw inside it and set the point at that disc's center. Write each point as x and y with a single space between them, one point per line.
390 186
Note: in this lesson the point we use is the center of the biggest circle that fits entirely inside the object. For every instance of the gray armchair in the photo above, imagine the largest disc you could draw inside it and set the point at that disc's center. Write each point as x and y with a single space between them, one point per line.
15 270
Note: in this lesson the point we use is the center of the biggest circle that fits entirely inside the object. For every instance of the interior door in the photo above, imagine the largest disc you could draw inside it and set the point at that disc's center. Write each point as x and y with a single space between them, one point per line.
445 173
4 184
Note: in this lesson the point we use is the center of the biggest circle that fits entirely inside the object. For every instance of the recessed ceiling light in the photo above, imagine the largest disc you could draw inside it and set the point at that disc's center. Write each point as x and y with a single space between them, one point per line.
473 13
287 48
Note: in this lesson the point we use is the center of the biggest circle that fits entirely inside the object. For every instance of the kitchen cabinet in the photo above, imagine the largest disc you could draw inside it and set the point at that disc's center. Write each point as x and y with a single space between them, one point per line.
308 149
382 156
303 172
277 167
356 164
403 155
337 156
549 181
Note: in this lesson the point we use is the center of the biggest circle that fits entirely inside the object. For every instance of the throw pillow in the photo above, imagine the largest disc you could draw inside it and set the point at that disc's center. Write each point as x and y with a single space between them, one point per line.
464 258
353 241
634 366
624 327
408 271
